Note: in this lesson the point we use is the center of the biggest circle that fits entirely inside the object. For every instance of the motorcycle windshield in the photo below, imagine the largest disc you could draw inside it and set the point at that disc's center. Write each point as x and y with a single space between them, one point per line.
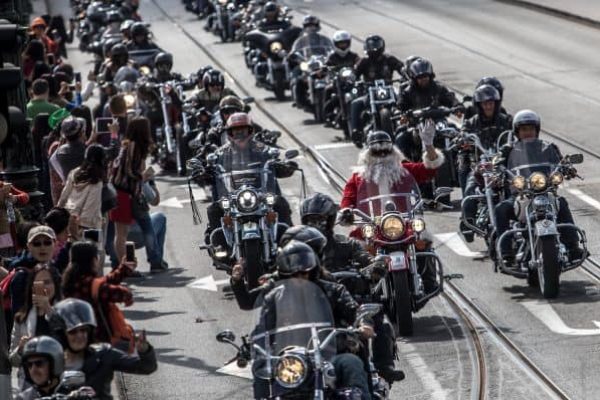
400 193
245 168
295 313
144 57
528 169
314 50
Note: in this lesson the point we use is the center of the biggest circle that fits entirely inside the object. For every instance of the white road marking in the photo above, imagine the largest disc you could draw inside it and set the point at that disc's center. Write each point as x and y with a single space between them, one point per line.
338 145
208 283
585 198
549 317
234 370
426 376
455 242
171 202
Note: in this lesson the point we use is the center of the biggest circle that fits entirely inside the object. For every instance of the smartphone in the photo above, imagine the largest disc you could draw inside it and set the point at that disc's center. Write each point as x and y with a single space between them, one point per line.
102 125
39 289
91 235
130 251
149 171
77 76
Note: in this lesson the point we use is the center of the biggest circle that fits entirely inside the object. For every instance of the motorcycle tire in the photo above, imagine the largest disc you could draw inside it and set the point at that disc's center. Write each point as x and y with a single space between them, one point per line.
279 90
549 273
402 304
319 107
252 253
385 121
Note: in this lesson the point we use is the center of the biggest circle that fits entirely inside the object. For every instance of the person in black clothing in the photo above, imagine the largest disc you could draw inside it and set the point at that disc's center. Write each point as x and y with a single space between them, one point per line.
298 261
529 150
73 324
377 65
140 38
271 20
342 55
423 90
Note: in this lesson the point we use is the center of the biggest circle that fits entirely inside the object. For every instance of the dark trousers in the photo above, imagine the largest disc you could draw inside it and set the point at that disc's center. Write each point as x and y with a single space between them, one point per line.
356 109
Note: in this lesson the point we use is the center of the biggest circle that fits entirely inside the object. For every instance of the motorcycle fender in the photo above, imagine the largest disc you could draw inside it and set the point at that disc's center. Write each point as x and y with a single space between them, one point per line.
250 231
545 228
397 261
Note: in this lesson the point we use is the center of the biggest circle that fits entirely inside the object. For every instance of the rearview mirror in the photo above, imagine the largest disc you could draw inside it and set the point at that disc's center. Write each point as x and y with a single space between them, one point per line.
291 153
467 99
248 100
575 158
226 336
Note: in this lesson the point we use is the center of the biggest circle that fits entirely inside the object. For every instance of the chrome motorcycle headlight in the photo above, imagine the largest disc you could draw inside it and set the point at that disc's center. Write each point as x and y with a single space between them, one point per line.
382 94
247 200
418 225
557 178
392 227
270 199
129 100
304 66
225 204
519 182
368 231
538 181
290 371
276 47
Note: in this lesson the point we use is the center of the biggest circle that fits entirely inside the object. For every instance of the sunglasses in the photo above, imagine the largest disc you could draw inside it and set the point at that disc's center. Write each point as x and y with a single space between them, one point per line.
45 243
36 363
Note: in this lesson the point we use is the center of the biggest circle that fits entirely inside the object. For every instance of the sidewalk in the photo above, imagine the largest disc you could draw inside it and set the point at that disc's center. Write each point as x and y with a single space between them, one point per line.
587 11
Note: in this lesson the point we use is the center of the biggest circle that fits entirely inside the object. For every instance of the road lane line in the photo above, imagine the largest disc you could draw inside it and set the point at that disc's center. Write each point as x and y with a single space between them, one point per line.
455 242
549 317
329 146
424 373
585 198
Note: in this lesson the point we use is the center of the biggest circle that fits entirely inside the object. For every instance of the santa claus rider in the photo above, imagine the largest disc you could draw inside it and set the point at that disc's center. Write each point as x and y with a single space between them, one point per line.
382 170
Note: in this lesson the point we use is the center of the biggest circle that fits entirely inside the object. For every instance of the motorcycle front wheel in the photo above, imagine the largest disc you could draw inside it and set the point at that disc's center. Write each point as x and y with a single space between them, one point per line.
402 304
549 271
253 257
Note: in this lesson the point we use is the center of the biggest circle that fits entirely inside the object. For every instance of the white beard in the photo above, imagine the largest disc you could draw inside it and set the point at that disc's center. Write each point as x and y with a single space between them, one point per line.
383 171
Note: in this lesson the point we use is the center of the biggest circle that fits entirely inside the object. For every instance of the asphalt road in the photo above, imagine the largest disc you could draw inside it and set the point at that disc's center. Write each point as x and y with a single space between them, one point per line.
547 64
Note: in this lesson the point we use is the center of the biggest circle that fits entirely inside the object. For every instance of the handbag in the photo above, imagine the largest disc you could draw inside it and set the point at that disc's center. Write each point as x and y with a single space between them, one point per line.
139 206
109 197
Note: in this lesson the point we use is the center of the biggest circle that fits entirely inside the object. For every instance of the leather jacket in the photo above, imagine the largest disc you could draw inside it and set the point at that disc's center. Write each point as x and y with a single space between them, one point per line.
434 95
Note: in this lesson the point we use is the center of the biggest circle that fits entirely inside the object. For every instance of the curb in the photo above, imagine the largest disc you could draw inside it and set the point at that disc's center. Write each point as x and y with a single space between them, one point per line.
554 12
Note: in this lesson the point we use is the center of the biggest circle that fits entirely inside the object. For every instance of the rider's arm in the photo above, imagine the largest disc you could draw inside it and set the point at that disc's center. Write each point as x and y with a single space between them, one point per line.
426 170
396 64
349 194
446 97
359 254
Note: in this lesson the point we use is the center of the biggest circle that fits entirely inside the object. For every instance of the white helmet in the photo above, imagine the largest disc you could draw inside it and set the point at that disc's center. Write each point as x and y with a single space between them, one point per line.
344 39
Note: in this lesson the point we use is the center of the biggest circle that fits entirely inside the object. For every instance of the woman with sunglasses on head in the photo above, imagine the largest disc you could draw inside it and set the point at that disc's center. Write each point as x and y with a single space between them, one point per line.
41 293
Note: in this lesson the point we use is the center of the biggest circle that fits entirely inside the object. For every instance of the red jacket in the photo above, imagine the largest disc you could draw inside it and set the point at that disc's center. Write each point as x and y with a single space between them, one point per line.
357 188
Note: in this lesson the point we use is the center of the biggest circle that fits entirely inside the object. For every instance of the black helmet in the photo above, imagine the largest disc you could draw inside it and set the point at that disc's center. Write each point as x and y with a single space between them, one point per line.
311 20
296 257
139 29
163 62
213 77
374 46
495 82
270 8
486 93
319 205
108 45
379 143
526 117
126 26
305 234
46 347
119 54
231 104
420 67
114 16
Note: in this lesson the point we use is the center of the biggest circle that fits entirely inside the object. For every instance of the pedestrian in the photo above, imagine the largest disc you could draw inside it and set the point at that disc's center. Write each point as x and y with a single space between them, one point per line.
39 102
71 154
126 176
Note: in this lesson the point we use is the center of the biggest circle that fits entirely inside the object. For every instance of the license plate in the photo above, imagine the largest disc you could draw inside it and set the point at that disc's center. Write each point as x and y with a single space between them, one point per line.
250 226
397 261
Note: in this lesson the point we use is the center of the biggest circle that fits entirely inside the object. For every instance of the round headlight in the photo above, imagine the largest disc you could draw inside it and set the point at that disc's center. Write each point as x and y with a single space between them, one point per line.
225 204
290 371
538 181
304 66
368 231
247 200
129 100
270 199
392 227
418 225
276 47
519 182
557 178
382 94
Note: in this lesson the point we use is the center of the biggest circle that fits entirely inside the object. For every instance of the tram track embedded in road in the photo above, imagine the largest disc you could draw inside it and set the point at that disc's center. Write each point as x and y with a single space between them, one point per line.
476 320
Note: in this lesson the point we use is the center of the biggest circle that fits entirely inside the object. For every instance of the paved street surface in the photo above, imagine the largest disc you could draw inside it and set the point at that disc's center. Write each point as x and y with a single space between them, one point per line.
547 64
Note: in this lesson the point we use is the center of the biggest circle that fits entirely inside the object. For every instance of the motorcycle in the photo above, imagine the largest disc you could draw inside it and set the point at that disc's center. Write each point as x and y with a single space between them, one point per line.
250 225
293 354
338 100
393 229
541 257
489 192
315 75
383 99
268 58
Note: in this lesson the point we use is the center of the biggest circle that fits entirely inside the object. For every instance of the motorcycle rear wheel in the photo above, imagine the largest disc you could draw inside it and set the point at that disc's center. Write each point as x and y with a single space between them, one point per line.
402 304
549 272
385 121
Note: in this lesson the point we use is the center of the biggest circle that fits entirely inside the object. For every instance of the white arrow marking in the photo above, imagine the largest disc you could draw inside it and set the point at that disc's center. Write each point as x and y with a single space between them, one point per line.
234 370
208 283
455 243
172 202
545 313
